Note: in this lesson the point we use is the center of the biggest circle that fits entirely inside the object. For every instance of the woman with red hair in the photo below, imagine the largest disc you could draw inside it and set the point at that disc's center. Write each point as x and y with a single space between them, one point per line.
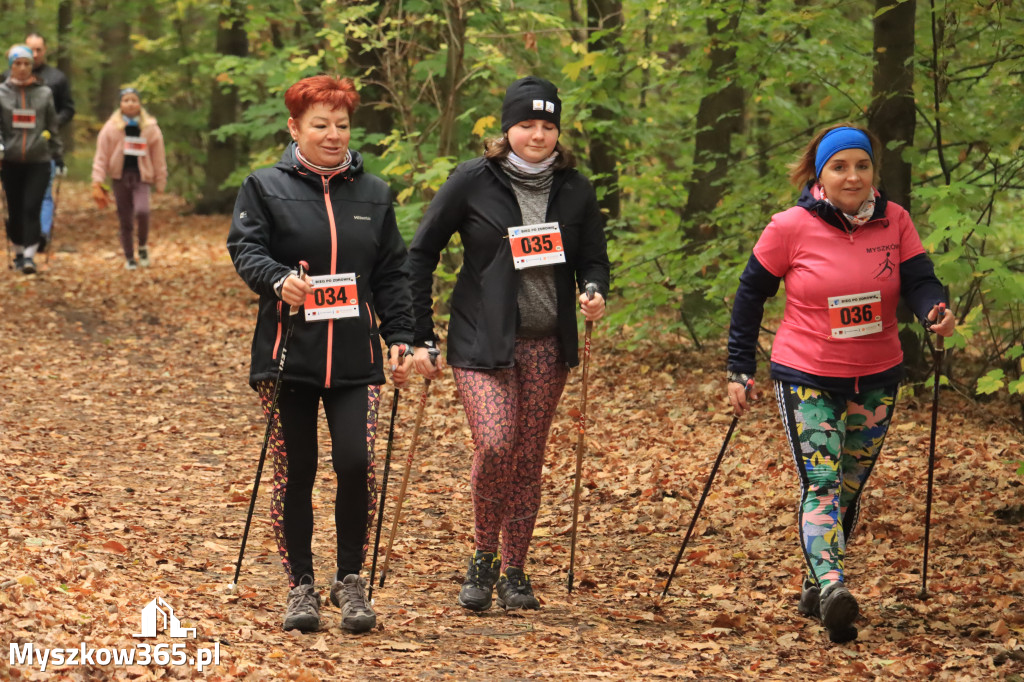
317 205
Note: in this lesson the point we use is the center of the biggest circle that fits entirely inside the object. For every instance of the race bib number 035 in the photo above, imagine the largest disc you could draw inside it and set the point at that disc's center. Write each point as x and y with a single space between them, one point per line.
333 297
534 245
855 315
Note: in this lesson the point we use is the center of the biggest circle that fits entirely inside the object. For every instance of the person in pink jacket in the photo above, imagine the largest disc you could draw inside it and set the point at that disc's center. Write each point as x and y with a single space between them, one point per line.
130 150
847 255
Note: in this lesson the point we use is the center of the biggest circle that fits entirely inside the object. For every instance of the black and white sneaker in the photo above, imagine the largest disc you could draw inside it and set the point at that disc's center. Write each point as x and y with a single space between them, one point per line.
28 266
515 591
144 256
809 600
478 586
838 611
349 595
303 612
130 264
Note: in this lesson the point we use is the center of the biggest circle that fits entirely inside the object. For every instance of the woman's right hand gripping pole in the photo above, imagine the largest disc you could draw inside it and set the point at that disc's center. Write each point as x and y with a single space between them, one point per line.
741 387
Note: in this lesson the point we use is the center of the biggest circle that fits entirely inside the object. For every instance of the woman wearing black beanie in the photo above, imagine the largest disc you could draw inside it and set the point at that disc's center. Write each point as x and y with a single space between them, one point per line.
533 238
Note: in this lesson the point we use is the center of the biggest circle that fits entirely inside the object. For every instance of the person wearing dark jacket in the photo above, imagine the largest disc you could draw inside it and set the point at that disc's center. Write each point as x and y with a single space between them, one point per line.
55 79
318 205
532 238
847 255
28 126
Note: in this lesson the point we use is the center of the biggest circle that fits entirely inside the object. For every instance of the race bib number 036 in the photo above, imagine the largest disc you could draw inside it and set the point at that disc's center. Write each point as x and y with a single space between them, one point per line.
534 245
855 315
333 297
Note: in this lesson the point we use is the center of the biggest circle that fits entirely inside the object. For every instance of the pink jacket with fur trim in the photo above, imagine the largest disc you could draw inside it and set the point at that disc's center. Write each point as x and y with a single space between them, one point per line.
109 157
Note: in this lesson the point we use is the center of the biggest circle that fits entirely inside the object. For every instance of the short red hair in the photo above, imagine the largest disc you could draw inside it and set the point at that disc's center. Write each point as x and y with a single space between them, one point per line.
336 93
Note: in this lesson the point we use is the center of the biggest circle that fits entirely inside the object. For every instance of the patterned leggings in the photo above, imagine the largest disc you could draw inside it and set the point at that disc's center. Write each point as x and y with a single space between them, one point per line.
510 412
352 420
836 440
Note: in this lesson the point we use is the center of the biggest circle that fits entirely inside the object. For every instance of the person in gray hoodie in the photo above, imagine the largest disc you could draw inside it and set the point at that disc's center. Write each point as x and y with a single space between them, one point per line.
28 127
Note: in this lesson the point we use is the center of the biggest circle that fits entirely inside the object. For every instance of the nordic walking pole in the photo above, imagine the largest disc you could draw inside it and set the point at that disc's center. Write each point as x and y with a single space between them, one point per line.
397 513
384 483
937 353
58 179
591 289
303 266
703 496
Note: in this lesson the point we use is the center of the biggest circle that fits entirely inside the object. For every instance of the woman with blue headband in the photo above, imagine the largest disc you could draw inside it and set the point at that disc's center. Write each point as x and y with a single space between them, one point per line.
28 126
847 255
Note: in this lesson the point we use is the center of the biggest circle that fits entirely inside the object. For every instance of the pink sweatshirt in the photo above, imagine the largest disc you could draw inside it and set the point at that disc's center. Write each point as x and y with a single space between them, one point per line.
110 145
841 290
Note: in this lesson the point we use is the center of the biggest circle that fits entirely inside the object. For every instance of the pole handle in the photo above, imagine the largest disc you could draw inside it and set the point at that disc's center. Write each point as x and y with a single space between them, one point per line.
303 269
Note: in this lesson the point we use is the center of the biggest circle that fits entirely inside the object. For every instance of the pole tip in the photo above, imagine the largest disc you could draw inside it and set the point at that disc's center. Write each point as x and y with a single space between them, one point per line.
922 595
231 588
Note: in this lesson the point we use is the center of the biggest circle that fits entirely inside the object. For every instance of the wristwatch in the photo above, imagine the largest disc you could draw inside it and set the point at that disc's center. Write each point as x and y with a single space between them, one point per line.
740 378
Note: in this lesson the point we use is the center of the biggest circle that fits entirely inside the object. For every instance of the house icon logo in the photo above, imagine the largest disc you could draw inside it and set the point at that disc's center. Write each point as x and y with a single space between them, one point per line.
158 615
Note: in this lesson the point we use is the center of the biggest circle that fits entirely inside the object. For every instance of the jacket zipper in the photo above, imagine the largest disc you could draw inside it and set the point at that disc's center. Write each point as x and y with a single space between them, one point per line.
24 133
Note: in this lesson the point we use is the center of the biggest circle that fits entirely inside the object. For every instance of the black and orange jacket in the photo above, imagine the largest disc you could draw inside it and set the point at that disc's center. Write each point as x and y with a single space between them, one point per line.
344 223
38 144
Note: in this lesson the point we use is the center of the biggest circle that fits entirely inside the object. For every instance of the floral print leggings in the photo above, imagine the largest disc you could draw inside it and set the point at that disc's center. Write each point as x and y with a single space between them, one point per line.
510 413
352 419
836 440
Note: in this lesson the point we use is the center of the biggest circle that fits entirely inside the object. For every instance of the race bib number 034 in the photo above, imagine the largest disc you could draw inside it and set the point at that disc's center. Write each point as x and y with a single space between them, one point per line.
534 245
333 297
855 315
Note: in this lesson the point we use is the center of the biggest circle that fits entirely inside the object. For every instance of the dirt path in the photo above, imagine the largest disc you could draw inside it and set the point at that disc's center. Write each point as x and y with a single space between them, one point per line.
129 439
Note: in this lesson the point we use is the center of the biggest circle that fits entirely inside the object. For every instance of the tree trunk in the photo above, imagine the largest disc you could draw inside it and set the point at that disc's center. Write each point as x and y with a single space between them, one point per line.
455 37
605 15
892 114
222 156
719 117
115 37
63 57
892 118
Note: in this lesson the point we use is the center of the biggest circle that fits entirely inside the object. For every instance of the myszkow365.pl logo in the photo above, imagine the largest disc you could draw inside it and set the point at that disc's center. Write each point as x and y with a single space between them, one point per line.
157 616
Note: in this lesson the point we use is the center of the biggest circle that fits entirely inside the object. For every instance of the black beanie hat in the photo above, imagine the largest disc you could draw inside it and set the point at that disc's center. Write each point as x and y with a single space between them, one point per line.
531 98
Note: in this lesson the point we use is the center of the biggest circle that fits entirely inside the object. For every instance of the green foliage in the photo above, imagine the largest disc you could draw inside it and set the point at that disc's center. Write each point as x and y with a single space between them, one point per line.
436 71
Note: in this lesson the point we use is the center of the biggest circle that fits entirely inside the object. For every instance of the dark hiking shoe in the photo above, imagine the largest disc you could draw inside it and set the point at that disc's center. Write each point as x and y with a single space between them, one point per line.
809 598
19 262
349 595
481 575
303 611
28 266
838 611
515 591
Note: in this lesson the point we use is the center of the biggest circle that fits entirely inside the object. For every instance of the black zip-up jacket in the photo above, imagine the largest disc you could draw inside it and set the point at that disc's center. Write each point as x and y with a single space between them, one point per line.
478 202
344 223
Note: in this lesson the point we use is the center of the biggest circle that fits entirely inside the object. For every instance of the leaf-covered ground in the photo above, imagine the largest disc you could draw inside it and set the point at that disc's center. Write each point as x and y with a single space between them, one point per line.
129 441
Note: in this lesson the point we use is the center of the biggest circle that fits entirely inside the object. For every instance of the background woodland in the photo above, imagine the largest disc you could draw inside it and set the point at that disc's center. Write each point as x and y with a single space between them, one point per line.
686 113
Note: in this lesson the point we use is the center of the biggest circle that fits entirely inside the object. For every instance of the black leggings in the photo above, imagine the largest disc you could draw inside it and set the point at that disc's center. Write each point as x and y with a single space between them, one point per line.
352 420
25 186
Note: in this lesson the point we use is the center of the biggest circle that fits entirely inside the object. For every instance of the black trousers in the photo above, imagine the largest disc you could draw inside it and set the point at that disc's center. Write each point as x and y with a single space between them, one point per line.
25 186
352 419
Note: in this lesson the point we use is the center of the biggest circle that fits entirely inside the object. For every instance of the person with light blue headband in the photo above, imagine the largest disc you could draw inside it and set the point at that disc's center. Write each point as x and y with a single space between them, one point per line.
28 127
847 256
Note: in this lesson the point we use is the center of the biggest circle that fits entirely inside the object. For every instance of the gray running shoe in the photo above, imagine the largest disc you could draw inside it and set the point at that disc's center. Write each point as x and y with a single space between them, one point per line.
350 596
478 586
144 256
515 591
809 598
838 611
303 612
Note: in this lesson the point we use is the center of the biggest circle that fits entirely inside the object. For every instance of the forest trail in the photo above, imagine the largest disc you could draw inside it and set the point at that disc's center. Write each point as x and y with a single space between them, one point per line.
129 440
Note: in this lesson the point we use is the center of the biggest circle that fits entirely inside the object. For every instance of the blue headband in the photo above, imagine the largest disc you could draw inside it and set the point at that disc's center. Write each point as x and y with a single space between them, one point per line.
837 140
18 52
128 91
